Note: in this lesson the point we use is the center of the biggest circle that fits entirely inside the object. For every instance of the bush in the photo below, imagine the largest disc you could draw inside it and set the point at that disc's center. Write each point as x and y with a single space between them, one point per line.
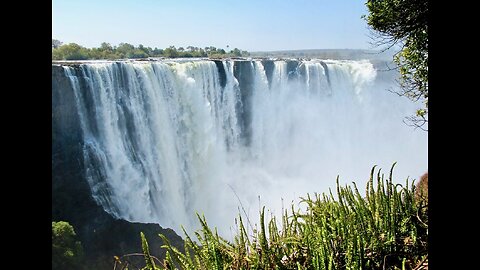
71 51
66 251
74 51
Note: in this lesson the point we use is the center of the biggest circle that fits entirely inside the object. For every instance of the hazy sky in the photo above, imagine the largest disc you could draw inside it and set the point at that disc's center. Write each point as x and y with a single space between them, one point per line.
252 25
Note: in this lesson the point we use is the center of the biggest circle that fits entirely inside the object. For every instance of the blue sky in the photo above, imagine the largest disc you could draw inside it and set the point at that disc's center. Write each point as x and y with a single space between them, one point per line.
253 25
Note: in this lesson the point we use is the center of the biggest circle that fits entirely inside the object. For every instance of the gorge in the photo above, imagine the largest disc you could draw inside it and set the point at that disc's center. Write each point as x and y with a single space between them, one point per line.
157 141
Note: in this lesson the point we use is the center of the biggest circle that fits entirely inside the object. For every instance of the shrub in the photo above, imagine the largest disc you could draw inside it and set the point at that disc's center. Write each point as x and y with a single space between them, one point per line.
66 251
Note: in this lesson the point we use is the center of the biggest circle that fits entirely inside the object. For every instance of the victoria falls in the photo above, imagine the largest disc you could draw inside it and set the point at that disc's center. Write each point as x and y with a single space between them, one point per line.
239 135
161 140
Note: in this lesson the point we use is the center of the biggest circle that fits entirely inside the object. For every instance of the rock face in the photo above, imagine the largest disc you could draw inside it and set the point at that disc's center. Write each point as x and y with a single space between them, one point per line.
102 236
243 71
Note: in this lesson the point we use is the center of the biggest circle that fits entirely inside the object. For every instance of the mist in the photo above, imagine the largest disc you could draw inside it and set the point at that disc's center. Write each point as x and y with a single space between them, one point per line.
166 140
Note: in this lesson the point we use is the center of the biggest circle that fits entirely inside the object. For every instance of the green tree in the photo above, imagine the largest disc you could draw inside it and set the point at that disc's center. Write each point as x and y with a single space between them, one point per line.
125 49
67 253
137 53
170 52
147 50
56 43
405 23
106 51
106 47
71 51
96 53
202 52
157 52
74 51
236 52
210 49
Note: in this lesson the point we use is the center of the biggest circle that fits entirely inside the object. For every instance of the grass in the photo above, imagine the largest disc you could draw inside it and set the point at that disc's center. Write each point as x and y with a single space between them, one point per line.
385 229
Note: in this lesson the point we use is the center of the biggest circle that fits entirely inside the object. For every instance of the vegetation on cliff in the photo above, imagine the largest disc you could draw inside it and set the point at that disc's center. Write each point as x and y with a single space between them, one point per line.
67 252
387 228
405 23
73 51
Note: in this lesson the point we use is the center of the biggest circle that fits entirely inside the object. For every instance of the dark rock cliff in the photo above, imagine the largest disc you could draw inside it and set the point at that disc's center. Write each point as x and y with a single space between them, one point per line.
102 235
243 71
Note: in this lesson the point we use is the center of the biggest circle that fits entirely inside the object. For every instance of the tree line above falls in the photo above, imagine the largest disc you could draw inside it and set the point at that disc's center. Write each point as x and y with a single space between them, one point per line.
73 51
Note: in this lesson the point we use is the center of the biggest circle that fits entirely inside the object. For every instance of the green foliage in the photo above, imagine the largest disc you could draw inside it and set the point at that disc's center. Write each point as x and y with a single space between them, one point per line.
74 51
71 51
149 262
170 52
56 43
387 228
67 253
236 52
404 22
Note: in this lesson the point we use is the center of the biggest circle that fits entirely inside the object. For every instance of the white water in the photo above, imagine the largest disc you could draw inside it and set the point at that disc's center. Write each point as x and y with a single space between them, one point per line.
163 140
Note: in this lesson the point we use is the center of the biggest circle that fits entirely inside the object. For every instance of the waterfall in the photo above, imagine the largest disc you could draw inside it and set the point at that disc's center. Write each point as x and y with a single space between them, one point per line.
163 140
